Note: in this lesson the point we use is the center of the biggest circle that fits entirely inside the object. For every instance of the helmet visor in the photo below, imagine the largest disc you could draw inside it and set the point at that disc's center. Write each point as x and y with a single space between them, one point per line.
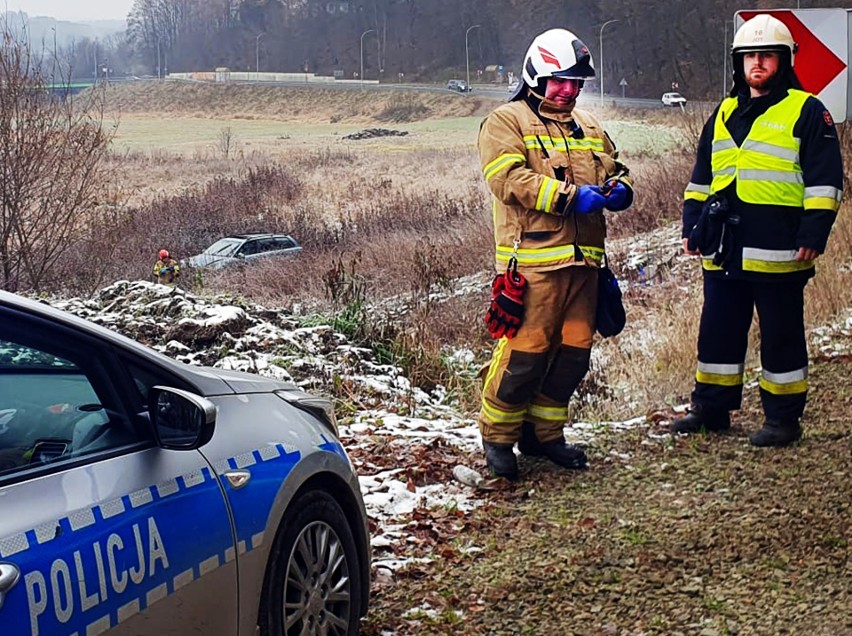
581 70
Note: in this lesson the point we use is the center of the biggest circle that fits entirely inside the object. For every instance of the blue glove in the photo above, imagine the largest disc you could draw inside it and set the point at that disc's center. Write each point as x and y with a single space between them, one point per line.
619 197
164 270
589 199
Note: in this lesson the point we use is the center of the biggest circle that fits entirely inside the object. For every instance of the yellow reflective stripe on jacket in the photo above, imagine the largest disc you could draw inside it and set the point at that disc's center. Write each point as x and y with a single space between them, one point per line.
696 192
499 416
766 167
548 413
772 261
547 194
549 143
788 383
708 264
501 162
546 255
823 198
720 374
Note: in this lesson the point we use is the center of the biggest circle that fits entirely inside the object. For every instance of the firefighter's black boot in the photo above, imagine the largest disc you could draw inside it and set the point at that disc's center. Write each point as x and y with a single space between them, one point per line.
700 419
777 433
564 455
529 444
501 460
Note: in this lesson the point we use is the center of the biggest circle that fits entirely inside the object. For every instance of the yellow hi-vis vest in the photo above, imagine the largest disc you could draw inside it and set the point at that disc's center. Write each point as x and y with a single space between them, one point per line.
766 166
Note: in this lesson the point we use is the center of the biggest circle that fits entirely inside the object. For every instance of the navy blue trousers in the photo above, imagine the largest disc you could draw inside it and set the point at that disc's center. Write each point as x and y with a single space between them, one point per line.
729 306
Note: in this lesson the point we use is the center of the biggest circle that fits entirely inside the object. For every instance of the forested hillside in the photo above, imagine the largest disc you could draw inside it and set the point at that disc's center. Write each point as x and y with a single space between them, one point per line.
651 44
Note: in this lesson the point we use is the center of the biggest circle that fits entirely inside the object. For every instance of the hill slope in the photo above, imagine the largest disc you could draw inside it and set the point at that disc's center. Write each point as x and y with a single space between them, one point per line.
292 103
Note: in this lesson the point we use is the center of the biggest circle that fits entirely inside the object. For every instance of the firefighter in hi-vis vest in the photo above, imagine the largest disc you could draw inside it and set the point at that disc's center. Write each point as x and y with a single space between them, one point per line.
759 207
552 171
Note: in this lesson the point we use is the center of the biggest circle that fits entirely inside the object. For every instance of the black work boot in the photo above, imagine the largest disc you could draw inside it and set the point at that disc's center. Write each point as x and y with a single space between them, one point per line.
564 455
777 433
529 444
700 419
501 460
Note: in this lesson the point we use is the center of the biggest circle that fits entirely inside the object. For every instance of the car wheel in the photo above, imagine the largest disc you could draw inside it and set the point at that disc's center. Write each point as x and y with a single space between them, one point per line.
312 583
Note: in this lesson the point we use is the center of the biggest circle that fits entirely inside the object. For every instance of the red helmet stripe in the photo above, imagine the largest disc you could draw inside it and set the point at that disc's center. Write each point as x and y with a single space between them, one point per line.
548 57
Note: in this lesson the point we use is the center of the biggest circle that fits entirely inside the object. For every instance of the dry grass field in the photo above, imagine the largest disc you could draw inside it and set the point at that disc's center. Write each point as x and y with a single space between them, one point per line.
395 216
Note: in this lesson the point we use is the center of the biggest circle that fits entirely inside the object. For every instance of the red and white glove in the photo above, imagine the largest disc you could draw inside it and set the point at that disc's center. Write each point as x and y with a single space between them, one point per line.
506 312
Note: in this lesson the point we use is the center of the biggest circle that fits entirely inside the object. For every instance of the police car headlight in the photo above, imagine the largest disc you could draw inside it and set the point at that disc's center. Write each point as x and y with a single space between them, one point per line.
319 407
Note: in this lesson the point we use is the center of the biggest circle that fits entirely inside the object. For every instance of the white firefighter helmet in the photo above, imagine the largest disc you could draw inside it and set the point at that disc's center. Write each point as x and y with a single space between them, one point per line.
764 33
557 53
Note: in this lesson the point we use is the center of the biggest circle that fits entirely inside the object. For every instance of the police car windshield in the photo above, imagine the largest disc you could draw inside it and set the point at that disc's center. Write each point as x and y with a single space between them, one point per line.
224 247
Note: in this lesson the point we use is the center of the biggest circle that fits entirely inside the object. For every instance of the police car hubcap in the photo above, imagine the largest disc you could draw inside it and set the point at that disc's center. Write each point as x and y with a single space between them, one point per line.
317 589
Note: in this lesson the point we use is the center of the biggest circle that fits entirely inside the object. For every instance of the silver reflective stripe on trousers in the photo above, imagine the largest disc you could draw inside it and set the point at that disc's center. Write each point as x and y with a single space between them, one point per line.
721 369
786 378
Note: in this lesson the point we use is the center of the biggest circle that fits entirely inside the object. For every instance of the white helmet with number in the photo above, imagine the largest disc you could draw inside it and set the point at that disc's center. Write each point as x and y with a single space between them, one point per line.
557 53
764 33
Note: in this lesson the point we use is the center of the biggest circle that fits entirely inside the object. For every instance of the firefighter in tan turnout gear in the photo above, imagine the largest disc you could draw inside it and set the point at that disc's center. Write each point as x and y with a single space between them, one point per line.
553 170
759 207
166 269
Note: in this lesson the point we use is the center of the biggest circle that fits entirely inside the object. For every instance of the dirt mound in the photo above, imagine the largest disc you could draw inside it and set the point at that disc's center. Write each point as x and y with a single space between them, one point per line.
291 103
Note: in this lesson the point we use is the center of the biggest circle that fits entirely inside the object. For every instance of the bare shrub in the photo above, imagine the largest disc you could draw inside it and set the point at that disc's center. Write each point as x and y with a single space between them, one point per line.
53 147
226 141
659 195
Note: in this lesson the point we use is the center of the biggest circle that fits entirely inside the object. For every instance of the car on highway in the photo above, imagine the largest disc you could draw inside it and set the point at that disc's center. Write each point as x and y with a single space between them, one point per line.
245 248
145 497
458 85
673 99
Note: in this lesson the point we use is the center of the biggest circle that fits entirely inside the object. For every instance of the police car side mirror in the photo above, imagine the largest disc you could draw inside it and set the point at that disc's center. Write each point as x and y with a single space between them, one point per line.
181 420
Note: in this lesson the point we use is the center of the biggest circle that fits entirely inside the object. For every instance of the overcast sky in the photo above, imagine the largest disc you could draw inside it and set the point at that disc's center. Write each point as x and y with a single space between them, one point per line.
72 9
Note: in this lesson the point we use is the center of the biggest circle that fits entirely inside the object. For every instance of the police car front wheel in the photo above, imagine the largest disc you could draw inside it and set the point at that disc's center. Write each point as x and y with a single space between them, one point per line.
312 585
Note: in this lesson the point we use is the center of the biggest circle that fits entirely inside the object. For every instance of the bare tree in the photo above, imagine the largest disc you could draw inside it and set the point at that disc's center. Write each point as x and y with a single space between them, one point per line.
52 149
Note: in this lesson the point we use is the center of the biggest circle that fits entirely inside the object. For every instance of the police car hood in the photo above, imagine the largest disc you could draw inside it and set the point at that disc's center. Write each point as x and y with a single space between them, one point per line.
241 382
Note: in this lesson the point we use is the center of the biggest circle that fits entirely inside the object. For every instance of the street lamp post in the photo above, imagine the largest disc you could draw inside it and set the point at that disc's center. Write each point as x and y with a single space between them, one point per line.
466 54
602 57
257 56
54 53
159 37
362 54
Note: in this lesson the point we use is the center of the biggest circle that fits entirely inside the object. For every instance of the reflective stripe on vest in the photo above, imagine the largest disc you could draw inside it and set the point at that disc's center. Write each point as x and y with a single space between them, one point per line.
766 167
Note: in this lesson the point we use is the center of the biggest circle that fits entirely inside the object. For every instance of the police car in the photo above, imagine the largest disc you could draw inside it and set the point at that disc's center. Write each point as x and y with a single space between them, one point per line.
142 496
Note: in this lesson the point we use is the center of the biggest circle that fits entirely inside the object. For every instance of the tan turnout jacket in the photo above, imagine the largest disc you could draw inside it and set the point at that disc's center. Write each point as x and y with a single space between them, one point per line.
521 155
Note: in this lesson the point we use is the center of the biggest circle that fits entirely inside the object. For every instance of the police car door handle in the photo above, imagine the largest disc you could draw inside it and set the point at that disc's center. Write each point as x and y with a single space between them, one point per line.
9 575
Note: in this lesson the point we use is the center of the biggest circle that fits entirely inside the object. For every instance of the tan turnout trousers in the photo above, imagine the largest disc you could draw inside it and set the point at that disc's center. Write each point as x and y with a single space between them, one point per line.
532 376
